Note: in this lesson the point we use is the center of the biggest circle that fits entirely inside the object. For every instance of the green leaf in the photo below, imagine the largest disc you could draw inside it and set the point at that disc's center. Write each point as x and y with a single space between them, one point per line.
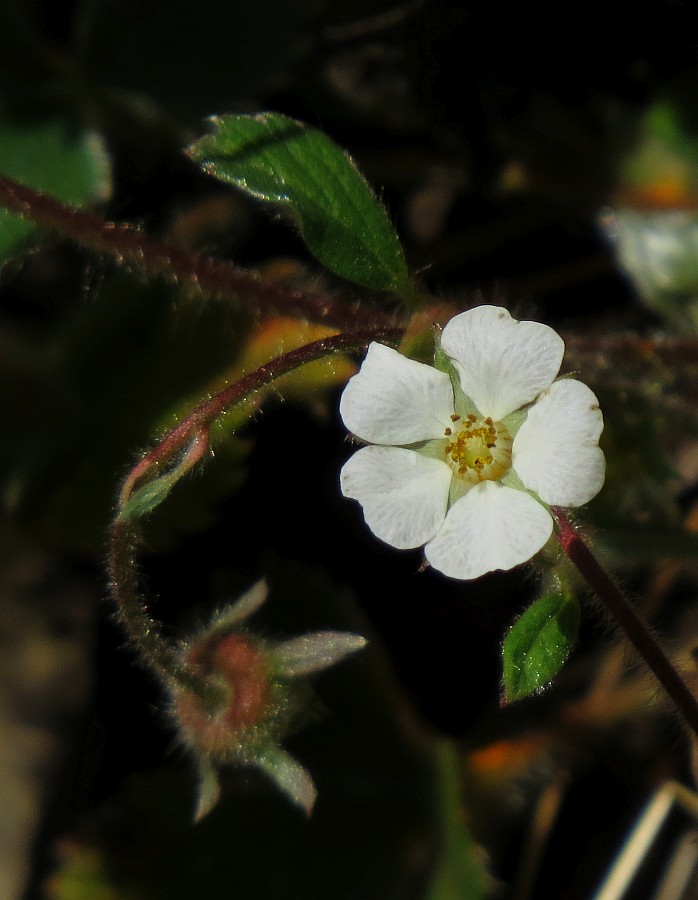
537 645
299 169
145 499
47 155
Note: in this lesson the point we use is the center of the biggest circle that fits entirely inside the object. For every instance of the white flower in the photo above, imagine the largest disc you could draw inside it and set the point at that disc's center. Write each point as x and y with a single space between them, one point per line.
466 461
658 249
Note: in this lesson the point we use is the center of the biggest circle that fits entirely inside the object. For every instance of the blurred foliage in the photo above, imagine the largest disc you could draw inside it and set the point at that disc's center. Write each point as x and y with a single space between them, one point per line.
71 165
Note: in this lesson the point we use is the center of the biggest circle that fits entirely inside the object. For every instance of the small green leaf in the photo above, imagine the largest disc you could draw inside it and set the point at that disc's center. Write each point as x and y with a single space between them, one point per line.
537 645
299 169
69 165
145 499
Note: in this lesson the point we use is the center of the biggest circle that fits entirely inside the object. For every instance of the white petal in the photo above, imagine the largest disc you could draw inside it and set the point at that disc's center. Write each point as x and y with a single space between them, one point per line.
556 452
404 494
491 527
502 363
396 400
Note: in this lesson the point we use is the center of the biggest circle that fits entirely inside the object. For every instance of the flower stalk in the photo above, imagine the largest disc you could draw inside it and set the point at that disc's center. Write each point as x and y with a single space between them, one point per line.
628 620
193 429
189 439
143 631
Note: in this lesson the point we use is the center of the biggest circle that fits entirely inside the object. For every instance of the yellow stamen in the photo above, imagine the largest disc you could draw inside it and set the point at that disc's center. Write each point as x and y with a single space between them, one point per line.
481 450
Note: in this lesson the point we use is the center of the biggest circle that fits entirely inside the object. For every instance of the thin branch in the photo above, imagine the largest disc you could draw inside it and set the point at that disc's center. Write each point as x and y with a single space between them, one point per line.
636 348
143 631
202 417
149 257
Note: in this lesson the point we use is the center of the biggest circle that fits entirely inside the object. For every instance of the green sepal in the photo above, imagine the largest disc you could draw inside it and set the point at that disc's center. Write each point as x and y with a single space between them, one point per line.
209 790
146 498
289 776
300 170
314 651
538 644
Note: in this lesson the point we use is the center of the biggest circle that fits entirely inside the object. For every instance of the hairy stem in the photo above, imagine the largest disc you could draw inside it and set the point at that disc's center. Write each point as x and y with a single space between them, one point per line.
202 417
143 631
629 621
149 257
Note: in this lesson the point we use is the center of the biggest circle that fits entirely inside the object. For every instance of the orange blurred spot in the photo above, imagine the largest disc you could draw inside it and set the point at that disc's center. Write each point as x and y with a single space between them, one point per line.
505 757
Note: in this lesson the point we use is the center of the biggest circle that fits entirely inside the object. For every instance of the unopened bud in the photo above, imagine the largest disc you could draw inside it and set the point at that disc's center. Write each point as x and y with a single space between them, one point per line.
242 692
239 702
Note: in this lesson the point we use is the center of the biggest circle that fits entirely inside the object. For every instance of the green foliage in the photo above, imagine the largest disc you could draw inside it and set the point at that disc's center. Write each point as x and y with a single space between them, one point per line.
665 156
147 498
460 871
69 165
538 644
302 171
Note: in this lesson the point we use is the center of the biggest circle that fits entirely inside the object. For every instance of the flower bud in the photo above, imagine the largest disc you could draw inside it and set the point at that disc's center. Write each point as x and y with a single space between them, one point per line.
241 701
239 696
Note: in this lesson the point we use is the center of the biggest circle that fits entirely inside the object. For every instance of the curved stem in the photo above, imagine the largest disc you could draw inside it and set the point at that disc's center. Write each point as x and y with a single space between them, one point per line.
202 417
150 257
629 621
143 631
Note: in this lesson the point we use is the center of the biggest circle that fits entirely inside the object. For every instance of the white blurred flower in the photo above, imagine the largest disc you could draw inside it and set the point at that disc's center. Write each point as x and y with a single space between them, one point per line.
658 250
467 461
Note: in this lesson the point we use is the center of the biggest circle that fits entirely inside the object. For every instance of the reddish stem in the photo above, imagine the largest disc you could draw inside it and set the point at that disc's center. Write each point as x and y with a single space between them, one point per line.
132 610
632 625
218 278
201 418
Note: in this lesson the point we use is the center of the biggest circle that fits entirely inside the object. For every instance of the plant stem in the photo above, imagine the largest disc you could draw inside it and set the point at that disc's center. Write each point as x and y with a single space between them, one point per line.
144 631
132 612
629 621
149 257
202 417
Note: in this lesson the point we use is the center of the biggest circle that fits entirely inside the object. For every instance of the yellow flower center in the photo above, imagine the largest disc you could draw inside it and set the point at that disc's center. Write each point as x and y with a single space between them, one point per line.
478 449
